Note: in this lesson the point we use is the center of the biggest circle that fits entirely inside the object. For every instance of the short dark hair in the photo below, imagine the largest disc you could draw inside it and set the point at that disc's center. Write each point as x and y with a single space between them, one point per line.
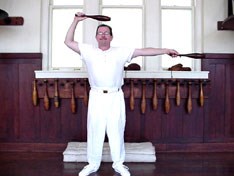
104 25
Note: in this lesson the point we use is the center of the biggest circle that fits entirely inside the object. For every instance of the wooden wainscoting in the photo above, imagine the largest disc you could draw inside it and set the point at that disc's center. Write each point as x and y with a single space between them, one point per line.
25 127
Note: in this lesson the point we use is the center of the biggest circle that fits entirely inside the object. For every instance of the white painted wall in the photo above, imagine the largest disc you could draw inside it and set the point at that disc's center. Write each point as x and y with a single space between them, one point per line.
24 38
27 38
216 41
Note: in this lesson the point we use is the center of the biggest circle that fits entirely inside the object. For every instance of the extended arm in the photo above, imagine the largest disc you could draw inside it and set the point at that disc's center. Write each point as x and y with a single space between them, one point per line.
69 40
154 52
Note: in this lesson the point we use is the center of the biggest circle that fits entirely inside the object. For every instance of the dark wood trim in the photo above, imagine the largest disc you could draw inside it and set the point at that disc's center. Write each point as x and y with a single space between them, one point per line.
20 55
195 147
12 21
227 24
32 147
173 147
219 56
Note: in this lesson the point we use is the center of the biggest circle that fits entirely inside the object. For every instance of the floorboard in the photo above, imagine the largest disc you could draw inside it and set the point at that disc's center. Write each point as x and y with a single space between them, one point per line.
167 164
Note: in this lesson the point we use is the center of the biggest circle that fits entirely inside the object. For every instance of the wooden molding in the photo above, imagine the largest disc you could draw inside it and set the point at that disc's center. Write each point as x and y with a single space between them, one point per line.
12 21
32 147
227 24
195 147
174 147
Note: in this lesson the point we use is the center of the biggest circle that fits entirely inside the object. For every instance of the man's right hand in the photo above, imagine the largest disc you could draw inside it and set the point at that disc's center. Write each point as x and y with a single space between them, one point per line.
79 16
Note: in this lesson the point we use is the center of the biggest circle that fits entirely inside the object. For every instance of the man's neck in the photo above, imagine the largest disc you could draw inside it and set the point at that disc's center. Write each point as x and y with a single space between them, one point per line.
104 48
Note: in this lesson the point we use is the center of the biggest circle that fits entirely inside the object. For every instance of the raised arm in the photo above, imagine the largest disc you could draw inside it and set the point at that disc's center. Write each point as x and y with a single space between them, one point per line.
69 40
154 52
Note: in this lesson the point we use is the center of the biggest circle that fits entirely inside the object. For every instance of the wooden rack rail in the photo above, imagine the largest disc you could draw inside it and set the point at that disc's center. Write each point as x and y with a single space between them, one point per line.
154 89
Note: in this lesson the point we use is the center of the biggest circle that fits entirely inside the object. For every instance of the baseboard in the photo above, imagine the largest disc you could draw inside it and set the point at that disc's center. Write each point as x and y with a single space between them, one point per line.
195 147
32 147
60 147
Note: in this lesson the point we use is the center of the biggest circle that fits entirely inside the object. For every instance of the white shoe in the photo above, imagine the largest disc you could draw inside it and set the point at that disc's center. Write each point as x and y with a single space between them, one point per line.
88 170
122 170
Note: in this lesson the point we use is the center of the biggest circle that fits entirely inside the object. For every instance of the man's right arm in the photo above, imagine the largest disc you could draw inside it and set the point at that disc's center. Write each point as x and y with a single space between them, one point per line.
69 39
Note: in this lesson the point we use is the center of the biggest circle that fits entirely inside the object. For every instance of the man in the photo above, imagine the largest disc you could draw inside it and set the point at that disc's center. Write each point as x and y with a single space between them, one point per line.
106 109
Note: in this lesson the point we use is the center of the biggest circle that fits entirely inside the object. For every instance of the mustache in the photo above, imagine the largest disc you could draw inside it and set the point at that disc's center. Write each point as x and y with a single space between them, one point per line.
103 38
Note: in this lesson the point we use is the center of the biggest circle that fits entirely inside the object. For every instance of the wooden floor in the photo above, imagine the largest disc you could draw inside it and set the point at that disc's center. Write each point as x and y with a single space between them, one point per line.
167 164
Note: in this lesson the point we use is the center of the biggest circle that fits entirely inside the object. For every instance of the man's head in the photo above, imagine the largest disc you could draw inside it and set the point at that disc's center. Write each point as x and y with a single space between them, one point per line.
104 36
105 26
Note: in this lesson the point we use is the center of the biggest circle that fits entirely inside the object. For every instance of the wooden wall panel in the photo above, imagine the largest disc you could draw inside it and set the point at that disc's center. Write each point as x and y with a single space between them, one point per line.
74 125
153 123
9 101
215 123
133 121
219 122
229 113
17 114
27 119
23 125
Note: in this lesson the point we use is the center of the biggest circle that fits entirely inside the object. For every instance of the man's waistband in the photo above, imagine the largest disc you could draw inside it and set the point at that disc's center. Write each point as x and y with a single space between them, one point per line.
106 90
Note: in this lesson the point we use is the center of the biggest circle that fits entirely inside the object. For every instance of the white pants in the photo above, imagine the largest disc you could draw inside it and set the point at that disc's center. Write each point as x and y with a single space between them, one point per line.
106 115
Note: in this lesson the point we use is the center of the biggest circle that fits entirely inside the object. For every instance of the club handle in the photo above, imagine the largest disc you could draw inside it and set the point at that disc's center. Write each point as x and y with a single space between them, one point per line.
35 94
167 100
46 96
177 93
56 94
155 98
189 101
132 101
201 95
193 55
143 98
73 102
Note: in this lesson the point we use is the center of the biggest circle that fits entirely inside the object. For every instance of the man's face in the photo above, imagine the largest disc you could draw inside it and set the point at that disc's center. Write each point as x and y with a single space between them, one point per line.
103 36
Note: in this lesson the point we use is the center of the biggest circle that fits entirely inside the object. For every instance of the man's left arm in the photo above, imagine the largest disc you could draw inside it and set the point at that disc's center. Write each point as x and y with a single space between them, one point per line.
154 52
